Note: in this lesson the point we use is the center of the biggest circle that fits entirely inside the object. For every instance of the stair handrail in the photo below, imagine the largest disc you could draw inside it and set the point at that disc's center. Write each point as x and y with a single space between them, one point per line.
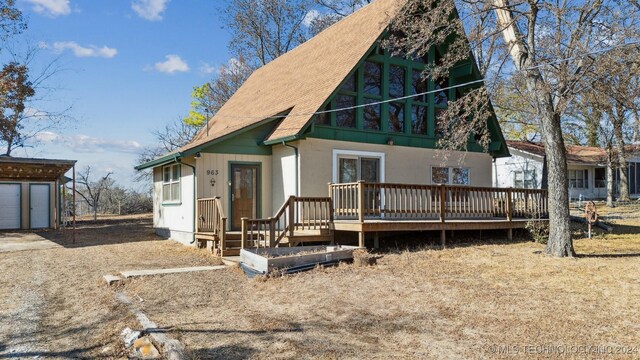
212 214
286 217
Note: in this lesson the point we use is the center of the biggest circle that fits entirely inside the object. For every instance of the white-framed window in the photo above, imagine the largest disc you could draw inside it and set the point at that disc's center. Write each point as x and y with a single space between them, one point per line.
578 179
524 179
171 183
352 166
449 175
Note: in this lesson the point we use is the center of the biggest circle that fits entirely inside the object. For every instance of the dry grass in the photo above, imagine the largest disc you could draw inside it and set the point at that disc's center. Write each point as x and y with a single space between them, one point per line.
54 302
425 303
454 303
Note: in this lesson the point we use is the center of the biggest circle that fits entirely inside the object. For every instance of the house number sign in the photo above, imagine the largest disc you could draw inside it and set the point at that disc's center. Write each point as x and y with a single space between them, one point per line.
212 173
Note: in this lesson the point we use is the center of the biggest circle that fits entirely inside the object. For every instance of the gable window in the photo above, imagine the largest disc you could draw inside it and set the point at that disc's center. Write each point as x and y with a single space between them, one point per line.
171 183
372 78
450 175
352 166
578 179
524 179
346 118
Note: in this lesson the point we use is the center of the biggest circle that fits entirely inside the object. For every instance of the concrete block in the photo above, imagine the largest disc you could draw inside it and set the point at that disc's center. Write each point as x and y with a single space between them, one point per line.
112 279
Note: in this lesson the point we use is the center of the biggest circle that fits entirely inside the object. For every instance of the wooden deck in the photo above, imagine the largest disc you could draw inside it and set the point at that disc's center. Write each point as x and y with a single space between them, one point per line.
377 207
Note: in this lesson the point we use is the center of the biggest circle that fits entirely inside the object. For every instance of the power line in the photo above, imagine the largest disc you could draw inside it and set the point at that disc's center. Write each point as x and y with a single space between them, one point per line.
425 92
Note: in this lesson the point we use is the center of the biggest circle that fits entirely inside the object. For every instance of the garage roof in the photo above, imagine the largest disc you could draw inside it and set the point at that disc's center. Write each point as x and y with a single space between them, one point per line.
26 169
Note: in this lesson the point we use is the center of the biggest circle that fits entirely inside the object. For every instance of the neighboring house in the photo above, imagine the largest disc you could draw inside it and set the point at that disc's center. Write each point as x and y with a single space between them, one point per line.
265 144
30 192
587 168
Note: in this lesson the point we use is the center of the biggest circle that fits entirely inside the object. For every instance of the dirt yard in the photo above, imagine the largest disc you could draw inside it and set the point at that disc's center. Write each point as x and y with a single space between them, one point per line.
491 300
470 301
54 303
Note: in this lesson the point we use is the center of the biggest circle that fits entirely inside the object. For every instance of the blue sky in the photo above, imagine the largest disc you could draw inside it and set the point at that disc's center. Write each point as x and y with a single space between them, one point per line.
129 67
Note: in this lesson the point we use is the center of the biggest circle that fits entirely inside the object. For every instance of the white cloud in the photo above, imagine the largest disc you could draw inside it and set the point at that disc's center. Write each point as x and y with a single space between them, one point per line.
207 69
50 7
80 51
173 64
310 17
150 9
88 144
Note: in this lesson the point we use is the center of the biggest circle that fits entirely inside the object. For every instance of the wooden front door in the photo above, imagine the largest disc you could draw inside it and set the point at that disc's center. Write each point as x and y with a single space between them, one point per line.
244 193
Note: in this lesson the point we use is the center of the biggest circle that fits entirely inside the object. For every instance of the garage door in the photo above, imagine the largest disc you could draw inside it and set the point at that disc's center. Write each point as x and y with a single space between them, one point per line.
10 209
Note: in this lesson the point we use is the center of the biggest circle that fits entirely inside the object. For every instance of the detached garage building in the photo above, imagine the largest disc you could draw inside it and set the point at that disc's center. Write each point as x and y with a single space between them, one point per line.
30 196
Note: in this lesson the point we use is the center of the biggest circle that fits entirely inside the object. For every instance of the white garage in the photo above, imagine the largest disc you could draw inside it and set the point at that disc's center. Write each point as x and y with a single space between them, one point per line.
10 209
30 195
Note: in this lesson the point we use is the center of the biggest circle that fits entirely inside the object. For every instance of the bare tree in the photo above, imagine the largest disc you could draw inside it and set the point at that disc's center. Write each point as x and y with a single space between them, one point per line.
91 191
171 137
544 46
207 99
263 30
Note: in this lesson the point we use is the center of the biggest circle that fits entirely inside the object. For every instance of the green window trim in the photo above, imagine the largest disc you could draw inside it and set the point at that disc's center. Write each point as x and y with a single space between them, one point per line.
171 184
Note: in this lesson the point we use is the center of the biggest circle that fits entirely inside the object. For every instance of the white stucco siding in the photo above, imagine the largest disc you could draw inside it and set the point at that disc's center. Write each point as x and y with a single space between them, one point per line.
402 164
284 174
174 220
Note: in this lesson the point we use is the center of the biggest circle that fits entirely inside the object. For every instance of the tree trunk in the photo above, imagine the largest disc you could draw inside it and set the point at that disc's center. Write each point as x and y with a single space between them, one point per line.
622 161
610 179
636 127
559 242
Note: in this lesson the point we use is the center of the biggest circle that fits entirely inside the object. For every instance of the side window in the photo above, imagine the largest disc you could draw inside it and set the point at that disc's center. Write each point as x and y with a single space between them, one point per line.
171 183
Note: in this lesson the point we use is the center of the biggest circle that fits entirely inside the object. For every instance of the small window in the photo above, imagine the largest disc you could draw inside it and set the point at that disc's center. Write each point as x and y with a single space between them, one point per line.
578 179
440 175
419 119
450 175
441 98
372 115
460 176
171 183
324 118
372 78
349 84
396 82
396 117
355 168
525 179
346 118
418 86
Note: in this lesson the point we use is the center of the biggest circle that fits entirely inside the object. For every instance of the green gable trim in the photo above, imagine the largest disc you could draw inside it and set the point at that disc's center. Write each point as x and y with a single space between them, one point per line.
164 160
245 141
249 142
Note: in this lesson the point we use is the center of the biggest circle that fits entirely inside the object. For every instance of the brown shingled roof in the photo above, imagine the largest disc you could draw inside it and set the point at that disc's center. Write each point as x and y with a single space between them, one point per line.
302 79
576 154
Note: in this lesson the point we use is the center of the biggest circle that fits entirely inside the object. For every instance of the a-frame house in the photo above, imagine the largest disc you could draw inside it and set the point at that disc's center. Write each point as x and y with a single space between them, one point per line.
299 147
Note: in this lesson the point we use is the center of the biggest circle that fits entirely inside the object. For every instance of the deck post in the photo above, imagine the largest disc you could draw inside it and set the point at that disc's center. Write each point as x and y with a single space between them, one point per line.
510 234
361 238
509 205
243 237
223 235
361 201
376 240
272 232
292 214
442 202
443 238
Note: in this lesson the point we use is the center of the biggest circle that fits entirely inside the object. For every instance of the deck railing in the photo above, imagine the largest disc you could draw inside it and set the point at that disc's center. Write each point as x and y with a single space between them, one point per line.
297 213
211 218
362 200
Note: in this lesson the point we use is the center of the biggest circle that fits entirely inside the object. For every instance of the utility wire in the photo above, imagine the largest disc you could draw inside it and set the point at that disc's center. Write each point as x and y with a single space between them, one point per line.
425 92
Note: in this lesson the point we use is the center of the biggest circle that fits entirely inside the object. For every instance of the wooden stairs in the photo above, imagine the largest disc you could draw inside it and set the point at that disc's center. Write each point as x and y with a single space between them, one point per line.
233 240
